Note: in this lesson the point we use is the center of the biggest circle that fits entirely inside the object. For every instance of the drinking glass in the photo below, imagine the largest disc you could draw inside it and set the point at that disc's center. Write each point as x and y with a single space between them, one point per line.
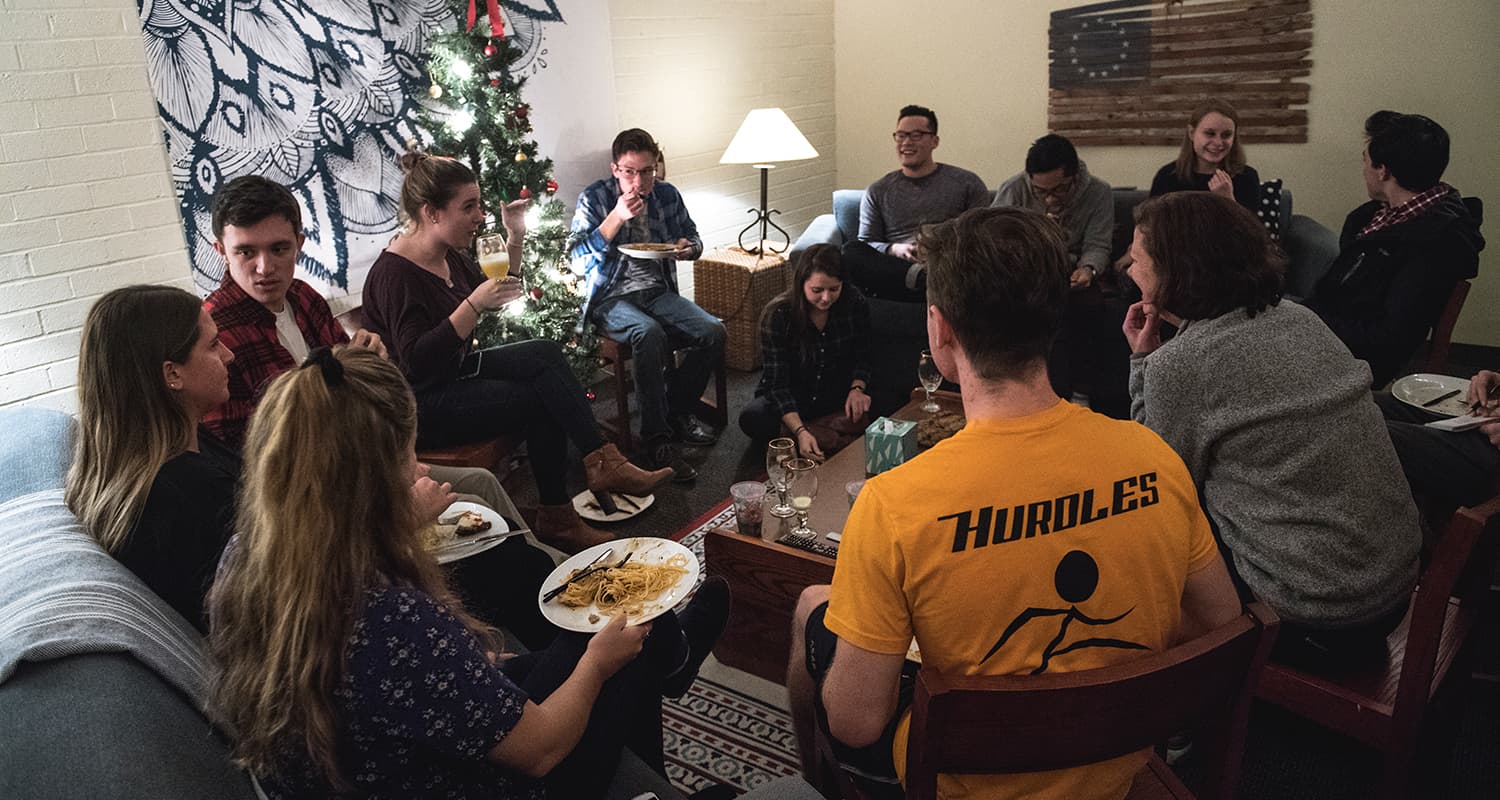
778 452
931 378
802 485
494 257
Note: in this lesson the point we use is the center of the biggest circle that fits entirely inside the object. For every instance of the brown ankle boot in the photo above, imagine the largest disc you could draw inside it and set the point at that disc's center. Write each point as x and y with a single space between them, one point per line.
559 526
608 470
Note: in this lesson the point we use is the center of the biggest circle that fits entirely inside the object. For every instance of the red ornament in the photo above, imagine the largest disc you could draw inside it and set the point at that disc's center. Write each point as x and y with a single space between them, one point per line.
490 50
522 111
536 293
589 394
525 193
494 81
551 187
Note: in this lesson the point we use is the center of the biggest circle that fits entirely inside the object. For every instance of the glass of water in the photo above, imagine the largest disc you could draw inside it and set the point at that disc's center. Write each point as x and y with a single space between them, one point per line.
931 378
778 452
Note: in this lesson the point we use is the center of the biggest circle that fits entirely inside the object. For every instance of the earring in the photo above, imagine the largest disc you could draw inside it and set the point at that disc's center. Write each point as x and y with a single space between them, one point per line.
175 386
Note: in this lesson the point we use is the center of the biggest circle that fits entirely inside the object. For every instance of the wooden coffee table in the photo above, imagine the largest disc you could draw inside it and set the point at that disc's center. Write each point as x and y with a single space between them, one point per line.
766 578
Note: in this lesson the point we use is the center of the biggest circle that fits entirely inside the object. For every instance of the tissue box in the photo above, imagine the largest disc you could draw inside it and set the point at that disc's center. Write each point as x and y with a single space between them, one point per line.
889 442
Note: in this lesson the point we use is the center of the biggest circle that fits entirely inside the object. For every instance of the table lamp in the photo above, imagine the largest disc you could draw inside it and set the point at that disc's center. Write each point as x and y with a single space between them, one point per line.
766 136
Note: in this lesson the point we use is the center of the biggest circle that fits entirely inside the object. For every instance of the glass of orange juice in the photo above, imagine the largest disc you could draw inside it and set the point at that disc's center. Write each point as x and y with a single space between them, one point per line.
494 255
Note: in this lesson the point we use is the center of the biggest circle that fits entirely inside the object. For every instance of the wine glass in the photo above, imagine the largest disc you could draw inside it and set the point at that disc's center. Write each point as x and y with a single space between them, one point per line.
494 255
778 452
802 485
931 378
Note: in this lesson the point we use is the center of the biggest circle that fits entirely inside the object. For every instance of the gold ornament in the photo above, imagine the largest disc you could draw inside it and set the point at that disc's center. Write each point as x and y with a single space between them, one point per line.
520 155
435 90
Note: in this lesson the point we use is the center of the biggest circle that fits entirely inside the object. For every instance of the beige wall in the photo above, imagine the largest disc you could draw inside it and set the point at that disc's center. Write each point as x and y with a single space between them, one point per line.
982 67
689 72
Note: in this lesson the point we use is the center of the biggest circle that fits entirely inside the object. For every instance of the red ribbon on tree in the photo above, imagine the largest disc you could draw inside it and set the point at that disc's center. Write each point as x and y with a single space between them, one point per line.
491 9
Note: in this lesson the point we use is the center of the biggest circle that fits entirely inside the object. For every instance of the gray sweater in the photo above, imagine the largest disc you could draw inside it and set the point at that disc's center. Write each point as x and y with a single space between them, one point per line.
1274 420
1088 216
896 207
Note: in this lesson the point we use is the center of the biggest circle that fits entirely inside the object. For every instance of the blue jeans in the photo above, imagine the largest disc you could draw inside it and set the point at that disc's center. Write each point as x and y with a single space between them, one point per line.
654 322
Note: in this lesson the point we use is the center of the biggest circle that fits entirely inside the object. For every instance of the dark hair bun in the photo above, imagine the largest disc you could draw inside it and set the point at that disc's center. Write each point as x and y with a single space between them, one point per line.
414 156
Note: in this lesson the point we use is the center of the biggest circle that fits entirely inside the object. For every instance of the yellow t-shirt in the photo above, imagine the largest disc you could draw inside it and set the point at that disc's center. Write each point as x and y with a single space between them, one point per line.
986 546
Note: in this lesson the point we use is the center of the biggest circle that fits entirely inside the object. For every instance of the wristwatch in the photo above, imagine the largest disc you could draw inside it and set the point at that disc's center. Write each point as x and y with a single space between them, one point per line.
856 387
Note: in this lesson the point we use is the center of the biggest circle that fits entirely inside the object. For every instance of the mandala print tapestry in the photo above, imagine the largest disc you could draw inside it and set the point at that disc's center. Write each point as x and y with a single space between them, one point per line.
316 96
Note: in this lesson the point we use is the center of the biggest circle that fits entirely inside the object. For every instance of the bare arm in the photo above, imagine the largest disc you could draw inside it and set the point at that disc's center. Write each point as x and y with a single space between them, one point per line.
859 693
1208 601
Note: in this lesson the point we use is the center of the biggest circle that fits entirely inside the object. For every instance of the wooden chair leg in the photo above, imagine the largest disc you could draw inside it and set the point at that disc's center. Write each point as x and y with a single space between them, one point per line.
622 405
721 395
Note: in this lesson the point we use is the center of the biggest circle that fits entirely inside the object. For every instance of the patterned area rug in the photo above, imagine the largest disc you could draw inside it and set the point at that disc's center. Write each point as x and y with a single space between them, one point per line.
716 734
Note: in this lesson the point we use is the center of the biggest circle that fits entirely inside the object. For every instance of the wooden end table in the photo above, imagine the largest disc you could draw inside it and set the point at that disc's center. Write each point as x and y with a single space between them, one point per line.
766 578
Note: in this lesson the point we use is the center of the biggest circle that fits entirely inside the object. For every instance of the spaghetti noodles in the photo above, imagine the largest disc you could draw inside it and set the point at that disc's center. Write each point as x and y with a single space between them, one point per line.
625 589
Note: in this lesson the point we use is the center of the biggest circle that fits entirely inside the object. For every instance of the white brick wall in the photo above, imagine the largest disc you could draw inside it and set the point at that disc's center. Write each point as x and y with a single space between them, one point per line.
689 72
86 202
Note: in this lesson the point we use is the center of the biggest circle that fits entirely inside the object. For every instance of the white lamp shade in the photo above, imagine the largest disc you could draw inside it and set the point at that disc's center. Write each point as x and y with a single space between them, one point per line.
767 136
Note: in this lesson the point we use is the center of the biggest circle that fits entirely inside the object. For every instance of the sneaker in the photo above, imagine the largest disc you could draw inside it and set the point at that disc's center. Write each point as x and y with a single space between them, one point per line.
692 430
666 454
702 622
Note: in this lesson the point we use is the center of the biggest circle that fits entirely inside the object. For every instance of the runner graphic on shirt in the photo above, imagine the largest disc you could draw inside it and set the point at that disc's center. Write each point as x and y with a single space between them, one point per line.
1076 579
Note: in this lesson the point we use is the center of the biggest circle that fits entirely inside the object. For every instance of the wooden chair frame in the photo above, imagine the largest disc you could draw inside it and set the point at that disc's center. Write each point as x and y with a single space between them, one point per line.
617 355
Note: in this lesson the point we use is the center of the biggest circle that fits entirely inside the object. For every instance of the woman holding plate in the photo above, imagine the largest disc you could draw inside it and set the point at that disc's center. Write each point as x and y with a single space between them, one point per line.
1273 418
424 296
346 664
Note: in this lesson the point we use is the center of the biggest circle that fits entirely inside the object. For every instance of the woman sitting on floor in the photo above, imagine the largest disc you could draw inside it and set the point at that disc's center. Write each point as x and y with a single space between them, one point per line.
424 296
815 341
1211 159
1273 417
345 664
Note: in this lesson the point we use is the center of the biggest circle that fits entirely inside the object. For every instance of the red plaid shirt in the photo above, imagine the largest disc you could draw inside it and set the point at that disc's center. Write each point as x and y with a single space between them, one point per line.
248 329
1391 216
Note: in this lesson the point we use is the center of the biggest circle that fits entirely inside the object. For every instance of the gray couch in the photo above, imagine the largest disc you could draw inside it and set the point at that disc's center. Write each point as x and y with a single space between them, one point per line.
102 685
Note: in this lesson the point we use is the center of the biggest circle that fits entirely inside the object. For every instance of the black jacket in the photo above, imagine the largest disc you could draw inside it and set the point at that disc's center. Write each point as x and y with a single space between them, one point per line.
1385 291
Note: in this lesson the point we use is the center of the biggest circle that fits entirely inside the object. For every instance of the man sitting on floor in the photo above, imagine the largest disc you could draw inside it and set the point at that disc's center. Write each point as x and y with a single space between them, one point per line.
1401 253
999 550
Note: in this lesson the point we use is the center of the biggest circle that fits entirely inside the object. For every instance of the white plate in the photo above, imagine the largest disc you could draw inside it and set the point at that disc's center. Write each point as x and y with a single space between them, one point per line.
1414 390
651 255
466 546
584 504
648 550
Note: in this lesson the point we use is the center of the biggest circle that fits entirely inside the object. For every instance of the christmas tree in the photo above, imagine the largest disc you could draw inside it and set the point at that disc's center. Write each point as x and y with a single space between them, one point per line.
477 115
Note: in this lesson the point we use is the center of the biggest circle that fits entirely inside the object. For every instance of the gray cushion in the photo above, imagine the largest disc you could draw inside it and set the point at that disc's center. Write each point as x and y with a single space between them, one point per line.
36 448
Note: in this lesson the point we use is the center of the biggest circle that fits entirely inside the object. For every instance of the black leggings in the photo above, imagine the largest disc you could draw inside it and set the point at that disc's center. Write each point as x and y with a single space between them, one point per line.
500 587
526 386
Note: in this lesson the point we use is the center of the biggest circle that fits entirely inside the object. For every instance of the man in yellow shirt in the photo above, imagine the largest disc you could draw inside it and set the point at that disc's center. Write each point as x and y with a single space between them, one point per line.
1042 537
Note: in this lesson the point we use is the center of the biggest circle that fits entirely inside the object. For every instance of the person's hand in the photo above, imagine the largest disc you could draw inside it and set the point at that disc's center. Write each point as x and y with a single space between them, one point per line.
856 405
1491 431
629 206
496 659
906 250
513 217
368 340
807 445
615 645
432 498
492 294
1142 328
1221 184
1484 394
1081 278
684 249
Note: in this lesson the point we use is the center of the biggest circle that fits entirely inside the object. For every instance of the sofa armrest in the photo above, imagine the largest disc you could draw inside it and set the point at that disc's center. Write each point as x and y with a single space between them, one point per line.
823 230
1310 249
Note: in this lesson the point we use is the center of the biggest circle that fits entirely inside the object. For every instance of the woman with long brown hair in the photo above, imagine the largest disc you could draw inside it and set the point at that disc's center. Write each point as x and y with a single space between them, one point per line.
146 480
344 663
815 342
1211 158
424 297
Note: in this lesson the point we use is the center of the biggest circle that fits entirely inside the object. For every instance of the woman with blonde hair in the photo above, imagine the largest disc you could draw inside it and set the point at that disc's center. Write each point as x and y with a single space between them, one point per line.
344 662
146 480
424 297
1211 158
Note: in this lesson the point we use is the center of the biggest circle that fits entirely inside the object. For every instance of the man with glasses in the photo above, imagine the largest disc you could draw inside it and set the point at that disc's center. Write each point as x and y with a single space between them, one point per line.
635 300
1059 185
885 262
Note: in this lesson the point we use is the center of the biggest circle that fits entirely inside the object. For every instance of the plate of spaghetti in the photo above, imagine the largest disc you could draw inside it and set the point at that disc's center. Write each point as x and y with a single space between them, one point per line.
658 574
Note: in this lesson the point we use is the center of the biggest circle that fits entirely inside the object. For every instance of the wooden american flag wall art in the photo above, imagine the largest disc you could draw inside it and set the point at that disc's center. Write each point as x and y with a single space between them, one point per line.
1129 72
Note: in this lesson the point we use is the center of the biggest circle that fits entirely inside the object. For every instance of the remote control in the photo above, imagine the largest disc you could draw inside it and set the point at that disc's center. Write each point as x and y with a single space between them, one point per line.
810 544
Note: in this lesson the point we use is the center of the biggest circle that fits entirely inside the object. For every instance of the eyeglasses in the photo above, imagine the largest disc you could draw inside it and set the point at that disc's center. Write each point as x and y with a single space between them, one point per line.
627 172
1060 190
910 136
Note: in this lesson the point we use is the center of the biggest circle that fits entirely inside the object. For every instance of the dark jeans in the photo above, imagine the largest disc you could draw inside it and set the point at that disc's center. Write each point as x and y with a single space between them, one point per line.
500 587
655 322
871 766
759 420
1453 469
627 712
526 386
881 275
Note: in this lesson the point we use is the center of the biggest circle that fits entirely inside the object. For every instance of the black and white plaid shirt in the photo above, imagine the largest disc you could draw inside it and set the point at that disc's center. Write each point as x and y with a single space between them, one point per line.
812 377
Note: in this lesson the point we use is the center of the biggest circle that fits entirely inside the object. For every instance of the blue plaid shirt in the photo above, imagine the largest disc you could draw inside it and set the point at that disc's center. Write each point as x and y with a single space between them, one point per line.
599 260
